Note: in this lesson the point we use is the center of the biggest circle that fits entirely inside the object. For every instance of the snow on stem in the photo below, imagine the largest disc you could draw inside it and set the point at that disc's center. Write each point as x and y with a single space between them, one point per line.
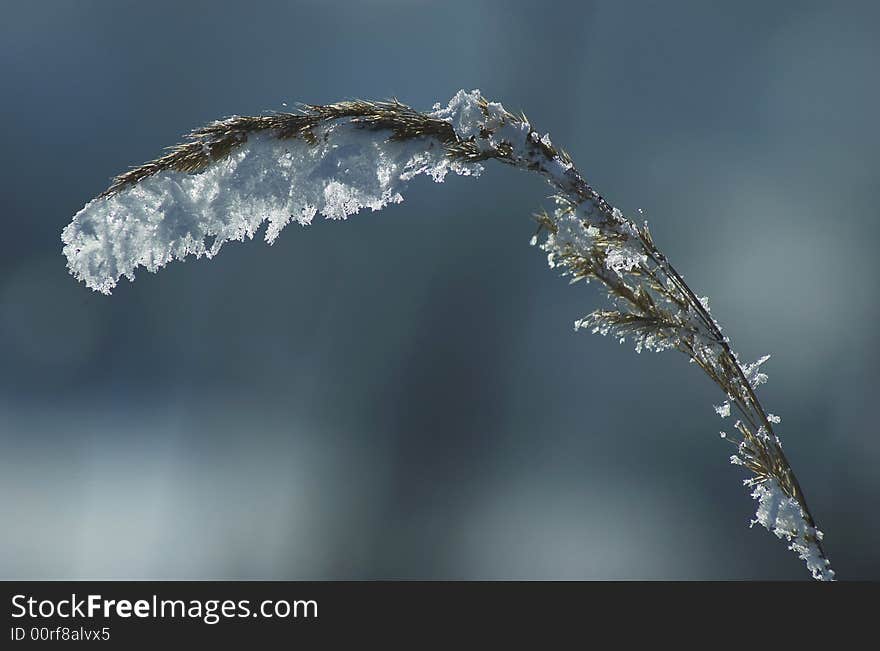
232 175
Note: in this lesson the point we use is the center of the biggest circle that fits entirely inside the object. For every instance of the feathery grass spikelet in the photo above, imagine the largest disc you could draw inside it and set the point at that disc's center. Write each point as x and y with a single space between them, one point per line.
584 237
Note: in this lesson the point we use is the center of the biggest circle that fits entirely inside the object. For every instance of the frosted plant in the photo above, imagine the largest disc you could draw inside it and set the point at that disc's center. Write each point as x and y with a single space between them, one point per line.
232 175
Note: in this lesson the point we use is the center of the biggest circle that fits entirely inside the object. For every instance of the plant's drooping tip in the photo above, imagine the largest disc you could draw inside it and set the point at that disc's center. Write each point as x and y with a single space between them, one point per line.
783 516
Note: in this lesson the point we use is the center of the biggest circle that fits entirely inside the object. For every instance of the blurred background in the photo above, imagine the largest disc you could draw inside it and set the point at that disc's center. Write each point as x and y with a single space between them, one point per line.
402 395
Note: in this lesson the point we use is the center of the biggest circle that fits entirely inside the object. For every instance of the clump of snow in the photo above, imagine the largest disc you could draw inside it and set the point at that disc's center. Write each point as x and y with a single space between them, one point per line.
723 409
487 124
464 112
783 516
171 215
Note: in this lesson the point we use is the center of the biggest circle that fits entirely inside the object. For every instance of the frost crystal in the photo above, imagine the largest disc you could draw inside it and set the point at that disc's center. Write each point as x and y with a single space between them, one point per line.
752 373
621 259
172 214
723 410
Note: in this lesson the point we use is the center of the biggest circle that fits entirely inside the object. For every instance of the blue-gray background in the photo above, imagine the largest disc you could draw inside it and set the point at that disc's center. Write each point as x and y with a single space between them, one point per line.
402 395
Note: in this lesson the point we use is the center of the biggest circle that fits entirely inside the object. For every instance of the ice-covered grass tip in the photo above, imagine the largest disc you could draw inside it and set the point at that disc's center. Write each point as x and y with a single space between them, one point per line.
267 175
230 176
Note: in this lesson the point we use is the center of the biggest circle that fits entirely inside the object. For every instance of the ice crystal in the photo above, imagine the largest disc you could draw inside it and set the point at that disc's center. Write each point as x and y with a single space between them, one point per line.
173 214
